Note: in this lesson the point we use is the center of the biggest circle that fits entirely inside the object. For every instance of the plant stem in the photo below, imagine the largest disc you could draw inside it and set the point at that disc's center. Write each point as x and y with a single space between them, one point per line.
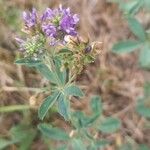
23 89
70 80
12 108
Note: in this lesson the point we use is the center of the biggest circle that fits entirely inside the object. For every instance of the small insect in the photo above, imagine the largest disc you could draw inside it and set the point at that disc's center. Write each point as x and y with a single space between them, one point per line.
95 47
88 49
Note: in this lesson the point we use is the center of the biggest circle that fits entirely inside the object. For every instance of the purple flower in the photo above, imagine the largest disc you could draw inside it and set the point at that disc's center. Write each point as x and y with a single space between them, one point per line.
49 30
47 14
30 18
68 24
58 23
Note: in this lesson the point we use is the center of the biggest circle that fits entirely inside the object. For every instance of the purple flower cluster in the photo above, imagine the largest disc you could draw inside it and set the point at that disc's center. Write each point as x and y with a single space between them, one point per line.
54 23
30 18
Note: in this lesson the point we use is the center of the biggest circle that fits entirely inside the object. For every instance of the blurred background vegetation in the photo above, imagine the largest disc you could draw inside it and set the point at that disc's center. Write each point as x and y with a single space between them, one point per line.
118 79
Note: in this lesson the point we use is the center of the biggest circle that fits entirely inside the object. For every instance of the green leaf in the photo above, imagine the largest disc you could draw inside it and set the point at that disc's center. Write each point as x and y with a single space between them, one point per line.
137 28
73 90
79 119
49 75
126 46
65 50
53 133
126 147
101 143
145 57
109 125
28 62
61 74
47 104
27 141
24 135
143 147
136 5
82 121
147 89
92 147
147 4
96 105
16 133
142 109
130 8
88 121
64 107
4 143
77 144
21 135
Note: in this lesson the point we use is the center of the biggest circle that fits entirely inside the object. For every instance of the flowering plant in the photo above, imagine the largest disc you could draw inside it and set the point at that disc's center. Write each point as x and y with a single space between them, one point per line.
56 50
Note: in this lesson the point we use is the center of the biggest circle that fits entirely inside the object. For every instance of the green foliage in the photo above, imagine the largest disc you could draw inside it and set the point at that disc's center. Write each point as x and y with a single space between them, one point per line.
142 42
132 7
137 29
82 124
143 147
130 45
47 104
126 147
73 90
10 15
142 108
82 121
143 104
147 89
77 144
61 75
126 46
28 62
24 135
53 133
109 125
101 143
96 105
60 67
21 135
144 59
4 143
132 145
64 107
49 75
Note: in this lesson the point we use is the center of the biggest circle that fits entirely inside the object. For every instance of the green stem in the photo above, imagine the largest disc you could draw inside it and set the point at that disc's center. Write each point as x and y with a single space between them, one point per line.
12 108
70 80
